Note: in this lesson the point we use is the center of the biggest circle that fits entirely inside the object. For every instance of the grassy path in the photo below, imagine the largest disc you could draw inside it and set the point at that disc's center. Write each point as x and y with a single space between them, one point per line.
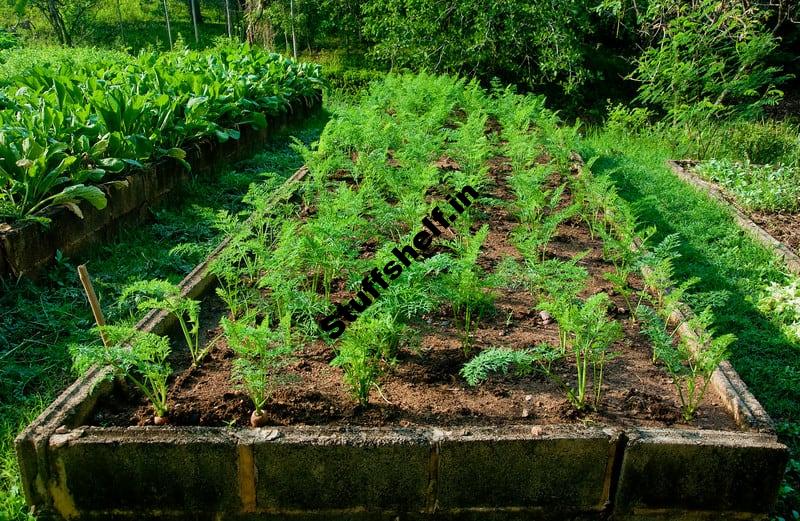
733 270
38 322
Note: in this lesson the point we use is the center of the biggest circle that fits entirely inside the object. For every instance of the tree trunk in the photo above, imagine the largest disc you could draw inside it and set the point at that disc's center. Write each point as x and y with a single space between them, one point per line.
258 28
57 22
195 12
194 9
294 38
228 17
121 27
169 29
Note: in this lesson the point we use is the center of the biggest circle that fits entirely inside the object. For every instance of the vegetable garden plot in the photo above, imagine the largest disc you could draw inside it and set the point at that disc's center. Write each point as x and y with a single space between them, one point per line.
82 139
26 248
62 130
781 303
523 257
769 196
474 280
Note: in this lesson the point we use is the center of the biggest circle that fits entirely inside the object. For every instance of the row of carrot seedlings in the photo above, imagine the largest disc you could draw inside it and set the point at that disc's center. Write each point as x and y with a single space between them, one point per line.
373 177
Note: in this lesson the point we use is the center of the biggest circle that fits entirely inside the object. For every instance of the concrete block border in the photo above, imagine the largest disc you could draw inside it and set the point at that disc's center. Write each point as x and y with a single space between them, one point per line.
791 259
27 248
75 472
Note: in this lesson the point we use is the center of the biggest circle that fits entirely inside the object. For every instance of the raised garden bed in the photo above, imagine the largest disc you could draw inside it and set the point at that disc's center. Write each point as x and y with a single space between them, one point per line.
27 248
421 442
779 231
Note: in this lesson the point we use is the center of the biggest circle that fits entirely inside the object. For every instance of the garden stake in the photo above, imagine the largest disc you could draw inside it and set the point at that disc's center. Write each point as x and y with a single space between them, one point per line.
83 274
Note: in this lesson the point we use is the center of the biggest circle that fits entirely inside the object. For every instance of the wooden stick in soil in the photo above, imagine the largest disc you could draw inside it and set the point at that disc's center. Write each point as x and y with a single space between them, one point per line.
97 311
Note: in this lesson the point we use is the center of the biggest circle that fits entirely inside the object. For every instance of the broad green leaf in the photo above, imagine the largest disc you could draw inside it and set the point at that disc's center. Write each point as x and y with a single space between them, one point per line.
90 194
198 100
112 164
258 120
177 153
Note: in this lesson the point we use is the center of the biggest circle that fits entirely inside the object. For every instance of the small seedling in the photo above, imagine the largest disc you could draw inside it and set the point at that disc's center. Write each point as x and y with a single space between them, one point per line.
502 360
509 317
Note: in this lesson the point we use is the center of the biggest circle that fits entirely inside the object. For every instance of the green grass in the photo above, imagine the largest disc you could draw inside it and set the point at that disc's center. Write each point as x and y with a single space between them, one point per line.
152 34
17 61
142 26
734 271
40 320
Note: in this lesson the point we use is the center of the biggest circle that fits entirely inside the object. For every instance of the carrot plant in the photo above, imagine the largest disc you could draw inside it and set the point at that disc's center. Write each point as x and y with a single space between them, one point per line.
261 354
691 363
589 334
532 199
359 355
501 360
538 210
462 286
163 295
137 356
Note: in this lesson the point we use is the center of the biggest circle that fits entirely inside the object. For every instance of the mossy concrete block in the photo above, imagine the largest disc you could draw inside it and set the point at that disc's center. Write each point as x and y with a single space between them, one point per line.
667 470
560 468
187 470
332 469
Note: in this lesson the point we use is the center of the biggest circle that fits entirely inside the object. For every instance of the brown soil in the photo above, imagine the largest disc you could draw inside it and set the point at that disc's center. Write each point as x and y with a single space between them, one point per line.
783 226
423 387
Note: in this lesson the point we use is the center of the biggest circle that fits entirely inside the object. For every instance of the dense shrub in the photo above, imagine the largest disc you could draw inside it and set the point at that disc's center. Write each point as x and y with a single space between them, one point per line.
527 42
707 57
8 40
762 142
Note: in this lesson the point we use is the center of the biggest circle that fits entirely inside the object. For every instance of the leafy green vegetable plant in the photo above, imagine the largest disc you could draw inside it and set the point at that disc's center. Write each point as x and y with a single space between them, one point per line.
70 125
691 363
261 354
162 295
782 303
771 188
32 177
137 356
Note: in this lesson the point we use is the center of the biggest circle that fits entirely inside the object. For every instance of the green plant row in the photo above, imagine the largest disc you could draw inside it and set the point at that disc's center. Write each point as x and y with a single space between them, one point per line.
381 165
373 177
65 128
756 187
587 334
